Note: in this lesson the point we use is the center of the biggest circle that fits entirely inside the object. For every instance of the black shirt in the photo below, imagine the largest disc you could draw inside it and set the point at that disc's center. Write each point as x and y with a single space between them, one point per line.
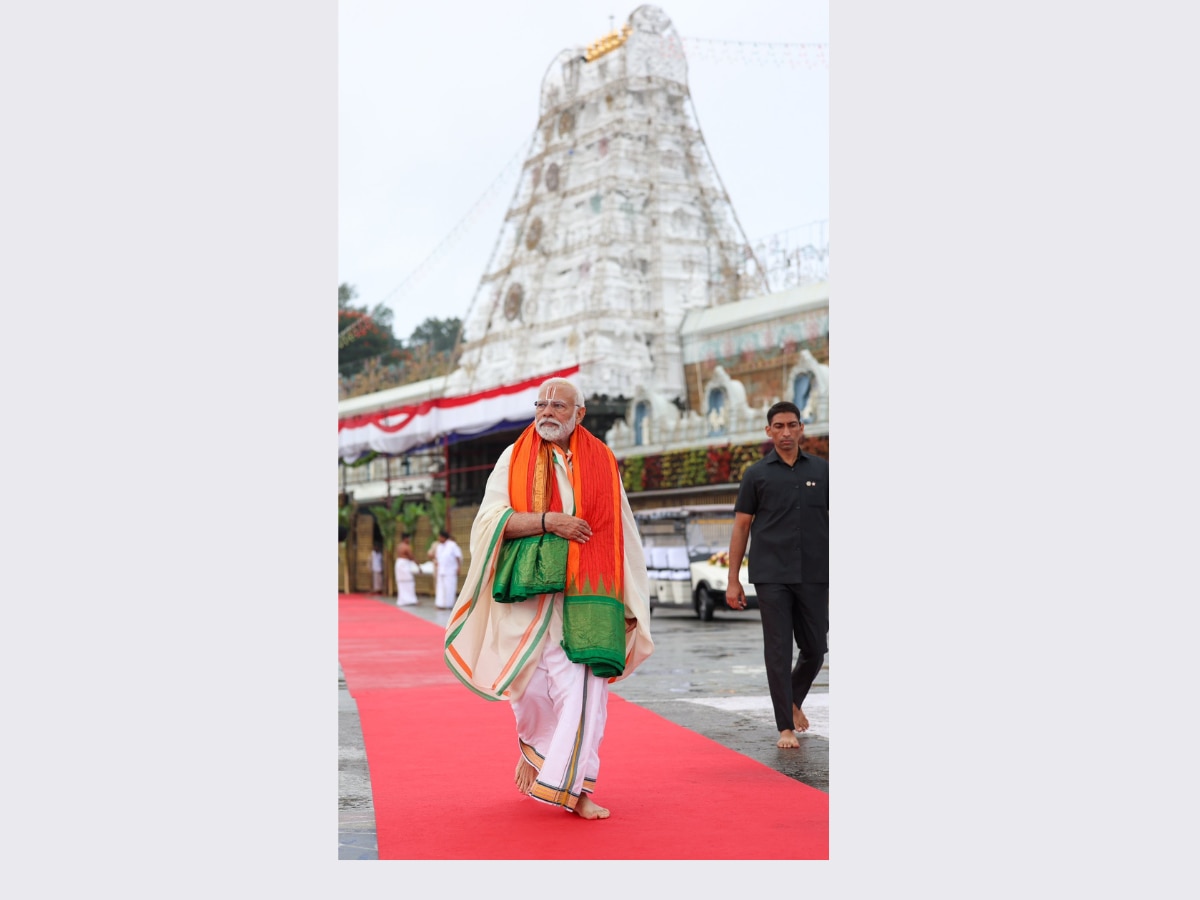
789 537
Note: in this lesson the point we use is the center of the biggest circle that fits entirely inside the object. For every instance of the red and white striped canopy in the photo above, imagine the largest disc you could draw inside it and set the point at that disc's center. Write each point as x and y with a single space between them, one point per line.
405 428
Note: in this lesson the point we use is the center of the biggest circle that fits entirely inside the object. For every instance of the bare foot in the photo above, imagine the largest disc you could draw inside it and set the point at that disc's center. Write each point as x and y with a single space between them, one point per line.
787 741
525 776
586 809
799 719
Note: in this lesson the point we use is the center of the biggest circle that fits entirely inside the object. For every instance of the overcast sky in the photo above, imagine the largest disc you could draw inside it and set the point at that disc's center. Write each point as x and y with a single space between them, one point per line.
435 101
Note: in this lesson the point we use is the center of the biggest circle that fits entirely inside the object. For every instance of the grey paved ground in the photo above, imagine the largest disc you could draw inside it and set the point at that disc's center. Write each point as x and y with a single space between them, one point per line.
705 676
356 815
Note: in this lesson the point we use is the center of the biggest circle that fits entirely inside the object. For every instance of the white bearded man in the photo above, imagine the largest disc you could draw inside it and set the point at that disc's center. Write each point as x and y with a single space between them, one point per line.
555 603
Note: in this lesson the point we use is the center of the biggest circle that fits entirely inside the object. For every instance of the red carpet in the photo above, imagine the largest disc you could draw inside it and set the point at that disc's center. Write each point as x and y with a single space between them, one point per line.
442 760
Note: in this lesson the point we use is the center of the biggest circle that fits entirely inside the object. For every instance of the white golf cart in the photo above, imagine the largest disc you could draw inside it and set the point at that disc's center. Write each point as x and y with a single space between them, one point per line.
686 551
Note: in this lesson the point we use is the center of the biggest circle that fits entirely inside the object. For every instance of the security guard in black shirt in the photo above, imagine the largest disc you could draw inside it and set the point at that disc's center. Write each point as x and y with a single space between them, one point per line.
783 503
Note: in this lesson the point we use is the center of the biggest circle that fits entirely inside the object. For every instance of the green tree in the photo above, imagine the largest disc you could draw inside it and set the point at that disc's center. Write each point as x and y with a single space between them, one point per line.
345 522
371 335
409 516
345 518
439 509
439 334
387 518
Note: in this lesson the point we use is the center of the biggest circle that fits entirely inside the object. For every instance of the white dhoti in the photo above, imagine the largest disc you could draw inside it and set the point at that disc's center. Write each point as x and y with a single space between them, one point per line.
560 722
446 590
406 586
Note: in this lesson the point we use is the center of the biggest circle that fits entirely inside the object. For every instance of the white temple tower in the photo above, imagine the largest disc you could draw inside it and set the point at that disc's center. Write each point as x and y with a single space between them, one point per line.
619 225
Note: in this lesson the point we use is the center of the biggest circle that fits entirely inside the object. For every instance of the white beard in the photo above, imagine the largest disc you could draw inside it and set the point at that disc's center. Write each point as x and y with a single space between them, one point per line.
552 430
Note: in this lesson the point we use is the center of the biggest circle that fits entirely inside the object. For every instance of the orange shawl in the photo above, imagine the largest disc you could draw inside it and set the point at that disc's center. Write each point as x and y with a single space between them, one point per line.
594 623
597 567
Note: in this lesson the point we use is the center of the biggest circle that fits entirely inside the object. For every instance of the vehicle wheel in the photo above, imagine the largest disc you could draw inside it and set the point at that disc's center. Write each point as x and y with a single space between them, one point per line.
699 600
707 606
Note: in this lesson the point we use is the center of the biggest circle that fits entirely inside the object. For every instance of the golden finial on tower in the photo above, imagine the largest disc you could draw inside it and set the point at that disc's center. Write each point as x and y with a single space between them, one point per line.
609 42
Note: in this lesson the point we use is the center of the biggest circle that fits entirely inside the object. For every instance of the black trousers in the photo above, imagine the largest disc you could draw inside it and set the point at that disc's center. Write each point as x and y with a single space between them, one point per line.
792 612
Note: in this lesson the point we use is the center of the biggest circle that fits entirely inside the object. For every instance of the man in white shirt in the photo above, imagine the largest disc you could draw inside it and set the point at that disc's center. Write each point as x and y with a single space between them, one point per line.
376 571
448 557
406 569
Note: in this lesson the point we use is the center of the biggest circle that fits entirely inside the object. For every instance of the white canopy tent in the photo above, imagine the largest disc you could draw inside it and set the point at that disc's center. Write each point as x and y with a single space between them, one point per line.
400 429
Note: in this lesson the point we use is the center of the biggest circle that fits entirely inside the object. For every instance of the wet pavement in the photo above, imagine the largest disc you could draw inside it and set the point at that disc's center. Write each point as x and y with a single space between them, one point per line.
705 676
356 812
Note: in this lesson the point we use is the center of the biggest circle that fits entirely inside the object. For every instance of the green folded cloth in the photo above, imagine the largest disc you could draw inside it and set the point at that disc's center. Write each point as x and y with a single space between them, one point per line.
594 633
529 566
593 626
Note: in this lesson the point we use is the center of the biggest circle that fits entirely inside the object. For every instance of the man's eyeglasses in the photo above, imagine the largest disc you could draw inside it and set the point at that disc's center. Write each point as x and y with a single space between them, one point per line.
556 405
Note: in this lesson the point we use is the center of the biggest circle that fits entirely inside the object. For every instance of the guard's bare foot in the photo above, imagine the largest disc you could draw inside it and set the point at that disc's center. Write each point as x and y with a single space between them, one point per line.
525 776
787 741
799 719
587 809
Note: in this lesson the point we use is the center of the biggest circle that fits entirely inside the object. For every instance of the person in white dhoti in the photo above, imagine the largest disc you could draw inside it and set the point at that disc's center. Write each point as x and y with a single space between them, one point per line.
447 558
555 603
406 570
376 571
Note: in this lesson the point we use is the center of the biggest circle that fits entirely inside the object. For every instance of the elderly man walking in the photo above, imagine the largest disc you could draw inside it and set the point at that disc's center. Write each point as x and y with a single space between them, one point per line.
555 603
